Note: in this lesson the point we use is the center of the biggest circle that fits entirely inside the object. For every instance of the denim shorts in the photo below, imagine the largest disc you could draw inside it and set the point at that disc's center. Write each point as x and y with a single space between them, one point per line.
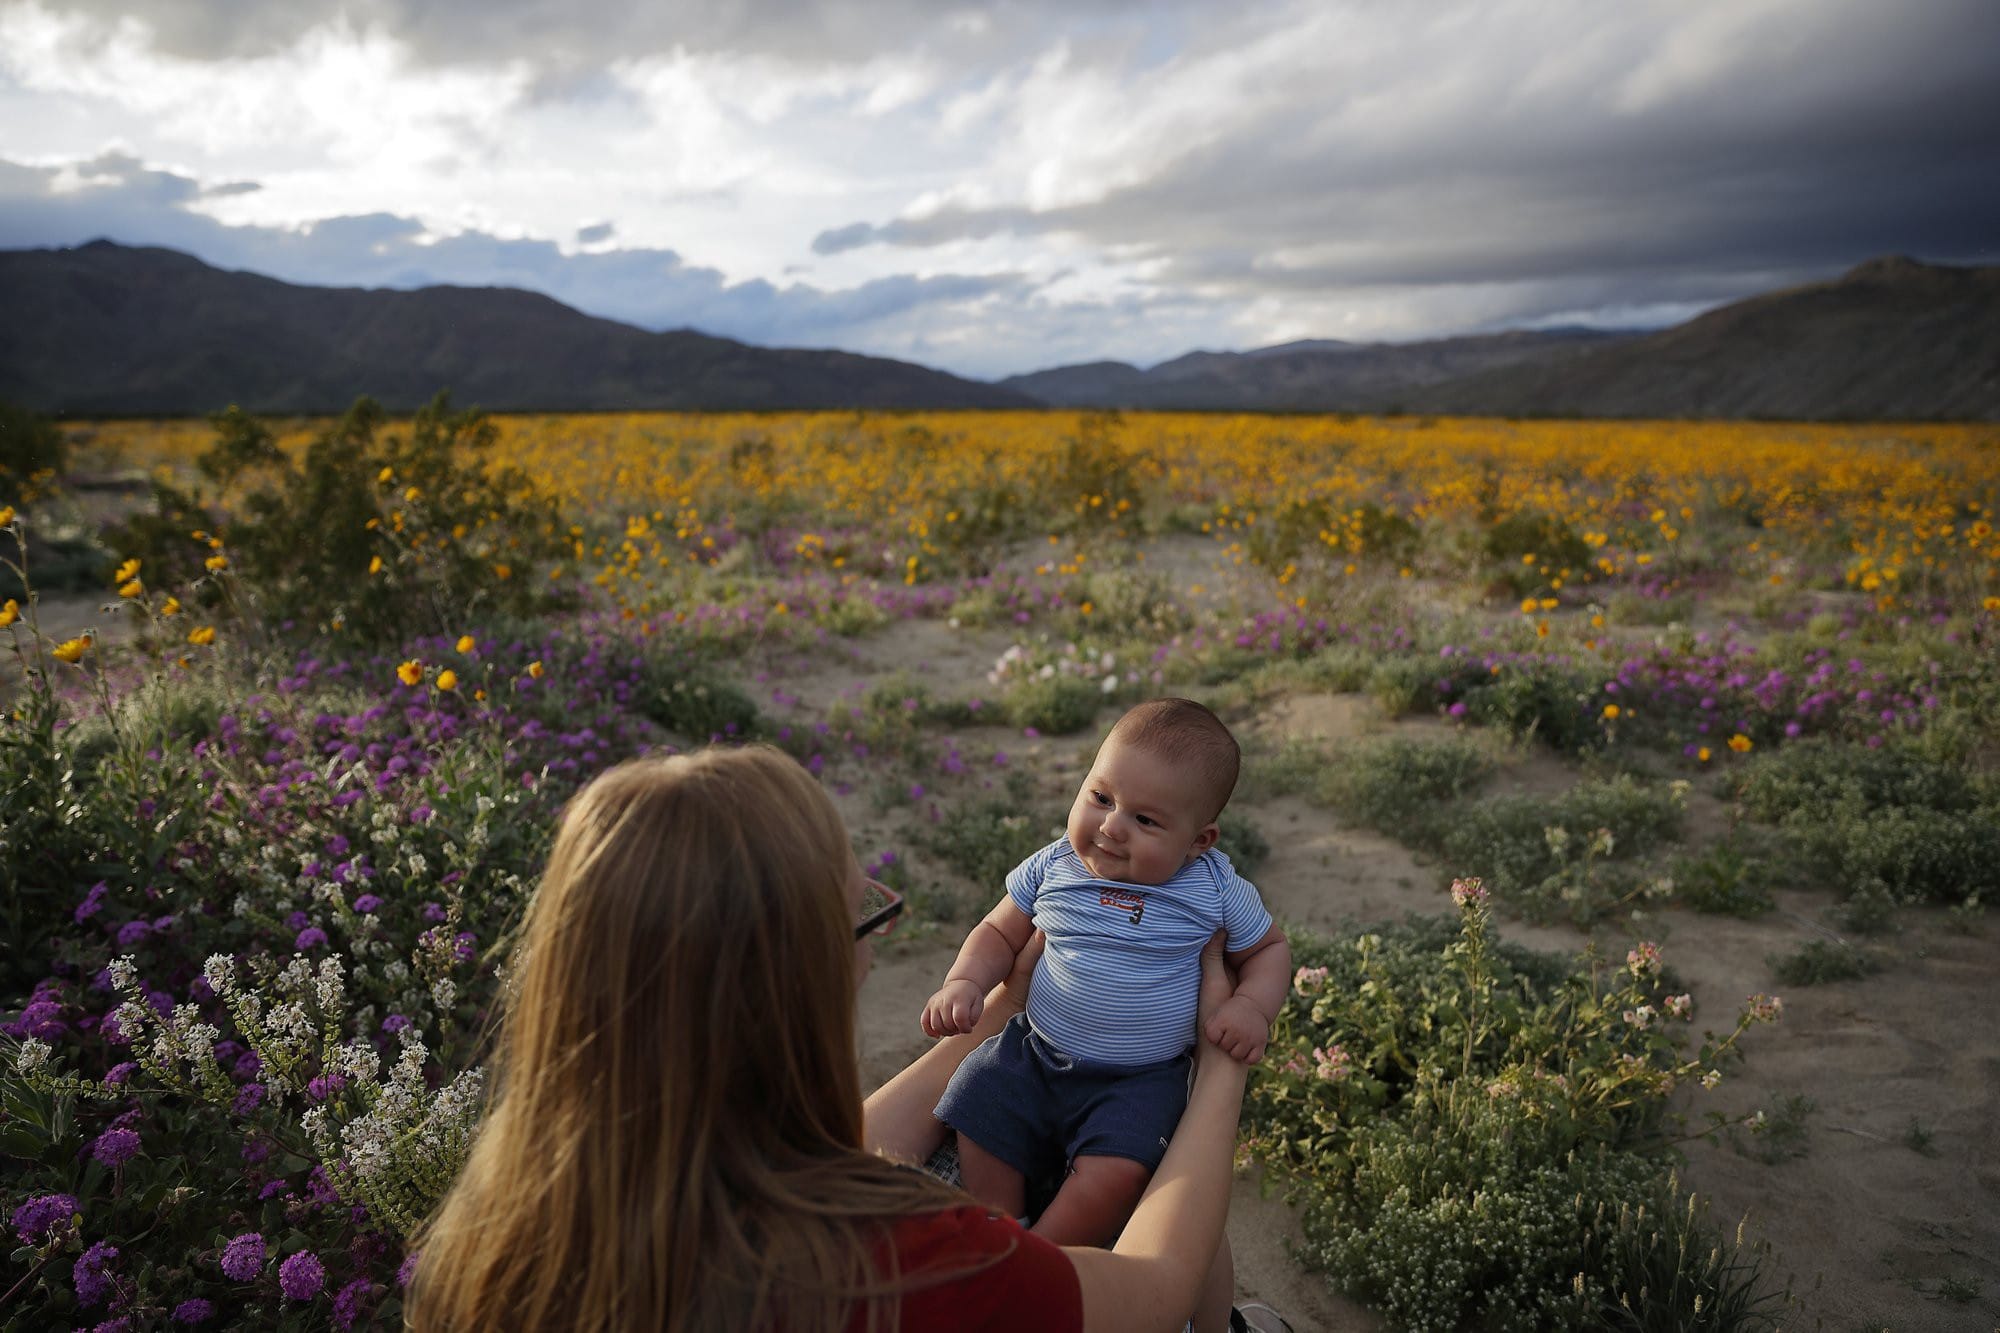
1038 1110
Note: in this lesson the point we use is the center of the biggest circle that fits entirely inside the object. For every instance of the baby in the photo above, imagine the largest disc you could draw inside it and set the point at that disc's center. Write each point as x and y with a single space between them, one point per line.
1097 1068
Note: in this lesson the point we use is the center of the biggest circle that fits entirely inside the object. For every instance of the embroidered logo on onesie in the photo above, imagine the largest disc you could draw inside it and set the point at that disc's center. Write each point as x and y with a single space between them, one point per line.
1124 900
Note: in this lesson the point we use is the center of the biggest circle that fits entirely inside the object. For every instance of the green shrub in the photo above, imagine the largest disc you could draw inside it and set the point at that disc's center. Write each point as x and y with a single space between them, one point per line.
1398 784
1550 703
1561 857
1724 880
695 702
986 839
1243 843
1818 961
1056 706
1475 1135
1813 777
1295 768
377 533
1403 685
33 454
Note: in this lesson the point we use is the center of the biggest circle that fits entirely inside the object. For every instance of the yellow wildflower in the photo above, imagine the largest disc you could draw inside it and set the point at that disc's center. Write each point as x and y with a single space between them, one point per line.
127 571
131 589
535 669
411 494
6 515
171 607
71 650
1740 743
466 643
386 475
1611 712
447 679
216 562
9 613
1703 754
202 635
410 672
1991 604
374 564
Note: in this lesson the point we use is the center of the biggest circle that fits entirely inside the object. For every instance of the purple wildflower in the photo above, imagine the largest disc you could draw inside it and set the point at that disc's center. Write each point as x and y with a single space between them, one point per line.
302 1276
40 1217
92 1278
115 1147
93 901
347 1302
196 1311
132 932
312 937
248 1098
367 902
243 1257
407 1269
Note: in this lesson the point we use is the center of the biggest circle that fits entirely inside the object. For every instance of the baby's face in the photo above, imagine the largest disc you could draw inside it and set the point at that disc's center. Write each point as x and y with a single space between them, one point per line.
1133 820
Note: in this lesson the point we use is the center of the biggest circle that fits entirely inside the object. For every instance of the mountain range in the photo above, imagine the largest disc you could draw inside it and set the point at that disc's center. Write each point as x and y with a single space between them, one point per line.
107 329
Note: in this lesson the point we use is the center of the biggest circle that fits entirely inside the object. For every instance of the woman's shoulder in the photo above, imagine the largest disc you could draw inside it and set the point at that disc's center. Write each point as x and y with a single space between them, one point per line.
970 1269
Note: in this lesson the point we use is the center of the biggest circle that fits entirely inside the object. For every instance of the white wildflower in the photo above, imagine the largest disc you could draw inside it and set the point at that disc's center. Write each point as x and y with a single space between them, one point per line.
33 1055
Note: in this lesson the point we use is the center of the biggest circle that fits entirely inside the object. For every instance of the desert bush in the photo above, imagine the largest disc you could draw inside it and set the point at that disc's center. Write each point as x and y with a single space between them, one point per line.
694 700
1547 701
1242 842
1055 705
1475 1135
1897 817
1568 856
983 840
1399 785
1724 879
1817 961
373 531
33 454
1295 768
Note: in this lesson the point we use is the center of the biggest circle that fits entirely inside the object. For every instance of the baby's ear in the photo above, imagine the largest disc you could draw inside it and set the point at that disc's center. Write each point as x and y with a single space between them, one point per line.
1204 840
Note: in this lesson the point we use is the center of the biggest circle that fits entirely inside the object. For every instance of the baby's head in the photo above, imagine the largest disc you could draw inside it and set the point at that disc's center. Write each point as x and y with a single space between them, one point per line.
1149 803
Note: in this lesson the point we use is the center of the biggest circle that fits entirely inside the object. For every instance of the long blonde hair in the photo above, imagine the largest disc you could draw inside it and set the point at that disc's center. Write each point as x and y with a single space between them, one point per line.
676 1139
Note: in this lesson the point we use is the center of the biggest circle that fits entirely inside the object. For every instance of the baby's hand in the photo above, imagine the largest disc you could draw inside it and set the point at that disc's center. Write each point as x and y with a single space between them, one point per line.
954 1009
1240 1029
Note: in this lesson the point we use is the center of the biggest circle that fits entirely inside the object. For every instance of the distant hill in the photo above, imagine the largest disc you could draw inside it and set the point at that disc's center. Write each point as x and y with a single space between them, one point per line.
1314 376
106 328
1893 339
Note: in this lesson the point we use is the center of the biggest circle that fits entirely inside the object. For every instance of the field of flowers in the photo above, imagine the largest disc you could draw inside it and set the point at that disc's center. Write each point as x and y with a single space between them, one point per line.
275 786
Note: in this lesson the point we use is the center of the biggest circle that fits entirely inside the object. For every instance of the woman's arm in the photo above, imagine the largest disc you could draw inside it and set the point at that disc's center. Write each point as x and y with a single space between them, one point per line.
897 1119
1152 1277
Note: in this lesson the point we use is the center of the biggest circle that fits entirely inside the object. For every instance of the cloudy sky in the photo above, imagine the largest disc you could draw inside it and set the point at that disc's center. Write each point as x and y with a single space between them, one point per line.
999 188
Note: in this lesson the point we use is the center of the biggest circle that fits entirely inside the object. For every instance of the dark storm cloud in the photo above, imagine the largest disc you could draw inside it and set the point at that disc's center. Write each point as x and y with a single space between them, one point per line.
567 36
1815 139
121 200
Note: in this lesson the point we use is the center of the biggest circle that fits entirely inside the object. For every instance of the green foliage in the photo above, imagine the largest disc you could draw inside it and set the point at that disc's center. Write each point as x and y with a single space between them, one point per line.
1778 1133
1523 532
1243 843
985 839
1398 784
33 454
1725 879
1056 705
1817 961
453 536
1293 769
693 700
1564 856
1553 704
1900 817
1474 1133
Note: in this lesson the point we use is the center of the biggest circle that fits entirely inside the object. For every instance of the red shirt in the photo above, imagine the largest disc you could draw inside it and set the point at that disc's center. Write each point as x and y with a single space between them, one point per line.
1033 1287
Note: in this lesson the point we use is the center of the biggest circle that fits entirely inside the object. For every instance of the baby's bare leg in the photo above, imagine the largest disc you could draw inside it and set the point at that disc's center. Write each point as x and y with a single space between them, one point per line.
1096 1199
990 1180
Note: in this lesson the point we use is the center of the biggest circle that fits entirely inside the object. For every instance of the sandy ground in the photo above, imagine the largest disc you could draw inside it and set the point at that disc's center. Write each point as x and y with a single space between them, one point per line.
1862 1226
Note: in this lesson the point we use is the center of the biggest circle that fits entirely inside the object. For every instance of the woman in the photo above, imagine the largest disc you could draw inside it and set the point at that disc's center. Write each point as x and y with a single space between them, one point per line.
678 1139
